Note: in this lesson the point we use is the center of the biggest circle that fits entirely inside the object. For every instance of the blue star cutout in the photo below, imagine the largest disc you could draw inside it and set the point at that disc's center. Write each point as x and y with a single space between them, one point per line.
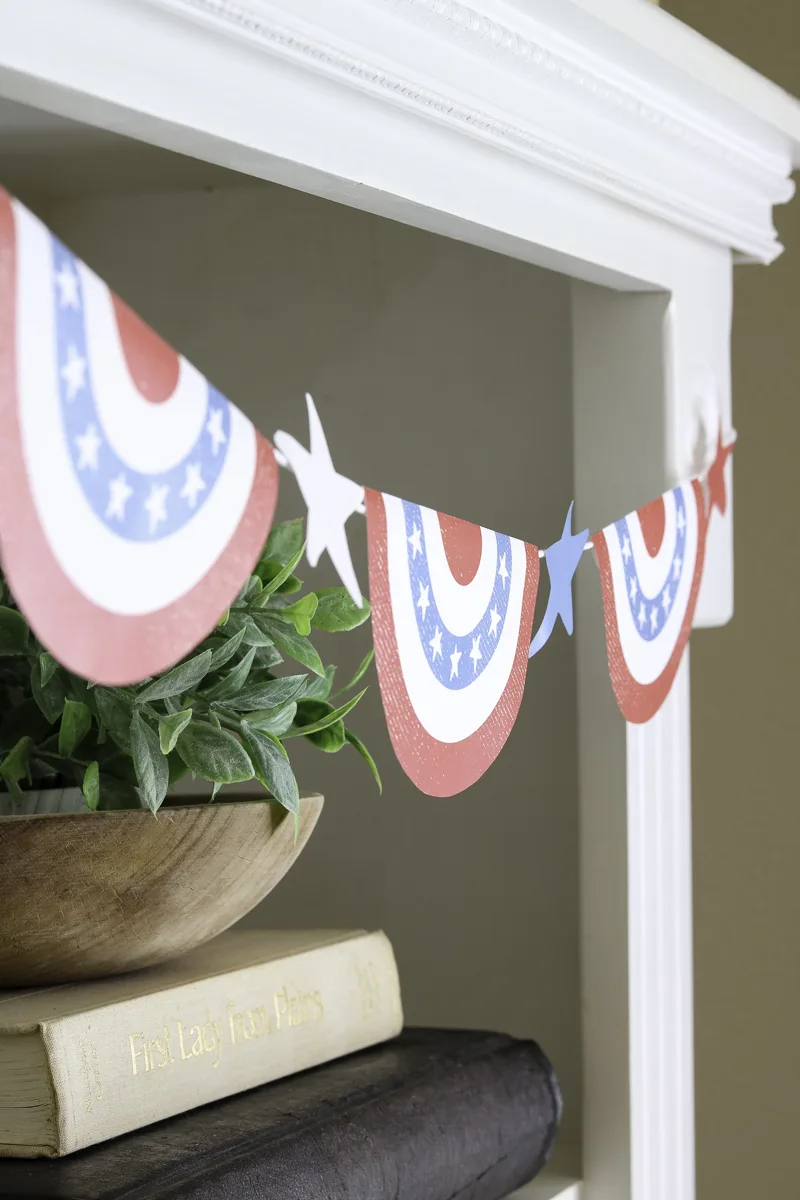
562 560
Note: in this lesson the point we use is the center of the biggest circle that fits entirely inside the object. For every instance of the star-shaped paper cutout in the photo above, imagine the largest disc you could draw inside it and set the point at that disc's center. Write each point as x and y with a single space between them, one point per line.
715 480
330 498
562 560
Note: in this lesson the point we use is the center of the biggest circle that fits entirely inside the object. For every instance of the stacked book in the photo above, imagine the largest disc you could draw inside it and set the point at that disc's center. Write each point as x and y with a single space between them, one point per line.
409 1114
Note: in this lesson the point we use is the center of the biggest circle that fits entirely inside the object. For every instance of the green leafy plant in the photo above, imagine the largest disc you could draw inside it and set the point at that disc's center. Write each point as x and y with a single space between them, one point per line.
223 712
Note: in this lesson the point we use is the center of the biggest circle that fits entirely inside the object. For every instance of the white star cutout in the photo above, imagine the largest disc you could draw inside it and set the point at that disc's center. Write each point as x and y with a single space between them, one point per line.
626 548
330 497
502 570
88 444
676 567
423 603
666 601
455 659
415 541
654 618
633 588
156 505
74 372
495 615
642 617
215 431
193 484
67 282
681 520
119 493
436 644
475 652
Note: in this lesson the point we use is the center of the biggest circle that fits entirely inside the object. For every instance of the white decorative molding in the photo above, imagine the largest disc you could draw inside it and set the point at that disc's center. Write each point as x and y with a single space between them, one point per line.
640 104
591 123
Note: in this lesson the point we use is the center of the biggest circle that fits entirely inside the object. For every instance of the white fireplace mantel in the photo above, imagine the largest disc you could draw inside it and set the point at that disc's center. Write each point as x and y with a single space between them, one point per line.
598 138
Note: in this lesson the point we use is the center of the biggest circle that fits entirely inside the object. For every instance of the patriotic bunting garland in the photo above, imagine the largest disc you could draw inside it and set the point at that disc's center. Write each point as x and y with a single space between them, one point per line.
452 610
136 499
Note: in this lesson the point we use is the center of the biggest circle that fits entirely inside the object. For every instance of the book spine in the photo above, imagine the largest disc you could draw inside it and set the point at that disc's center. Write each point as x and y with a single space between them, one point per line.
117 1068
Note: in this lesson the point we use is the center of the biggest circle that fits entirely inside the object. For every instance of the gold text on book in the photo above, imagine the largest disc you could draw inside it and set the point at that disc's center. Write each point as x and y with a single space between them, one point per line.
181 1040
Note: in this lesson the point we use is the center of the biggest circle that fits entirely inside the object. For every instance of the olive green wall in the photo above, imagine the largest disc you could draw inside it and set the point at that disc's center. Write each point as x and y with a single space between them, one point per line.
745 713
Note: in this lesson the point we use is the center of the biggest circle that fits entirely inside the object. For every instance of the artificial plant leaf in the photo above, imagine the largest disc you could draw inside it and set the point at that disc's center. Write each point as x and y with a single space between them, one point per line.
268 656
274 584
250 589
272 693
276 721
233 682
268 568
315 715
47 667
320 686
91 786
285 540
13 632
214 754
112 761
180 679
83 691
152 771
122 739
253 635
272 766
224 653
330 739
360 673
50 696
170 727
117 794
300 613
177 767
114 708
16 764
358 745
290 642
76 721
337 612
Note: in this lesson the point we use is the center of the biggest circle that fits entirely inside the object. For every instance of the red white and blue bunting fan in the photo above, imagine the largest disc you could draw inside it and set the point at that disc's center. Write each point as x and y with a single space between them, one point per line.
452 615
136 500
651 566
135 497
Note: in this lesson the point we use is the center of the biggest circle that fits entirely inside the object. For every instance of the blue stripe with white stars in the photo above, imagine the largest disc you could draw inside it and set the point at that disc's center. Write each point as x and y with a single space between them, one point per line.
139 506
455 661
650 612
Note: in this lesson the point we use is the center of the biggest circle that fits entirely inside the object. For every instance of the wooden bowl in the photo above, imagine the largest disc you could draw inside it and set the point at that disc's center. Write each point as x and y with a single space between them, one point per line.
92 894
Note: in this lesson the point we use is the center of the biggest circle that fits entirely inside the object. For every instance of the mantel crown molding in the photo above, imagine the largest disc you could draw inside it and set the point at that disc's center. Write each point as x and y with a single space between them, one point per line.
515 82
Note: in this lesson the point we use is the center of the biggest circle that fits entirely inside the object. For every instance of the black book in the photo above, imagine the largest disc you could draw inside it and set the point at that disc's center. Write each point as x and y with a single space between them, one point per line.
432 1115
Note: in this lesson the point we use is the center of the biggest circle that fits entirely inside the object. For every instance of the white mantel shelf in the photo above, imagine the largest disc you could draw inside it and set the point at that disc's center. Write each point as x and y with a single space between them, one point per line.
598 138
615 98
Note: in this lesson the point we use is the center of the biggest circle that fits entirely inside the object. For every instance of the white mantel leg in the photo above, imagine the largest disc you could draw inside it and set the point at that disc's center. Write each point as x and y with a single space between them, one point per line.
635 359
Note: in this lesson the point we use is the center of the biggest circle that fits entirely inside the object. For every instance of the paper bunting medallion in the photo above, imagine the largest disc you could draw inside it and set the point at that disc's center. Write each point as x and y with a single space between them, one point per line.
135 497
452 612
651 565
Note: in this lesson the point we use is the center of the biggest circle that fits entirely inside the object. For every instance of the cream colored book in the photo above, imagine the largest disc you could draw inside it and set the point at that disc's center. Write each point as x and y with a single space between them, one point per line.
84 1062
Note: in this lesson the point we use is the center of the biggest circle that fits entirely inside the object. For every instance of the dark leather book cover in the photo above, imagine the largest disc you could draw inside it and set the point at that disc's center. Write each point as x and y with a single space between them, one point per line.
431 1115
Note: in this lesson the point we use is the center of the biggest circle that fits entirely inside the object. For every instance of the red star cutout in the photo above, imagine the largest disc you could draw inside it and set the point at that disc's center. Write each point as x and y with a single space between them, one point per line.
717 494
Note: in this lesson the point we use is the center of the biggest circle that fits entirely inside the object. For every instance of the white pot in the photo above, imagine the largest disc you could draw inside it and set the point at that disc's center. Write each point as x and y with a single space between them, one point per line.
50 800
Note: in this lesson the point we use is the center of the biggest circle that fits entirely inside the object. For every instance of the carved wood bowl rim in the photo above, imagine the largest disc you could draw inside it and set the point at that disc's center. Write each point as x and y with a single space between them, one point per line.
81 902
